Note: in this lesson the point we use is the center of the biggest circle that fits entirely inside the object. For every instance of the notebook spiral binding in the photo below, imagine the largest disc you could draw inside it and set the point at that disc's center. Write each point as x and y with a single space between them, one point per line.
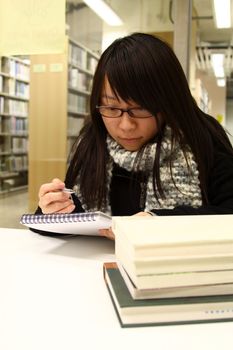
57 218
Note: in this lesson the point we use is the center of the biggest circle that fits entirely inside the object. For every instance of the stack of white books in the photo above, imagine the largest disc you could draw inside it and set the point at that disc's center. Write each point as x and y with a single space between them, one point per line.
178 268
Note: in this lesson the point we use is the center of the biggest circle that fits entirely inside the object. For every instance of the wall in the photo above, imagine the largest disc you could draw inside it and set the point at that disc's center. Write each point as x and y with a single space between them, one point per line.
217 96
138 15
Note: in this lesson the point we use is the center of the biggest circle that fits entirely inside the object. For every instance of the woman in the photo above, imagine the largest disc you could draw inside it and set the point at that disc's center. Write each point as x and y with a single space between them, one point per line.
148 148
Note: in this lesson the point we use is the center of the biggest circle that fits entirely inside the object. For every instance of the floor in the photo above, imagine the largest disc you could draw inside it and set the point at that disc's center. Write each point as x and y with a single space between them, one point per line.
12 206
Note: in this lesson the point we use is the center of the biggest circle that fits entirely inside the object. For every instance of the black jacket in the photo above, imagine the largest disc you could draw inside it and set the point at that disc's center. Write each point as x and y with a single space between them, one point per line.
126 188
125 192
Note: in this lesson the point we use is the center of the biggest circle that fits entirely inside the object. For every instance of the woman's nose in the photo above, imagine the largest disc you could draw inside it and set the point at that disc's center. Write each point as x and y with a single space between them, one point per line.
126 122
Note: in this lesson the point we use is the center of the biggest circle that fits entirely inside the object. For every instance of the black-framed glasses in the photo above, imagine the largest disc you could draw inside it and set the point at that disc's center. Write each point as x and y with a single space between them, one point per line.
115 112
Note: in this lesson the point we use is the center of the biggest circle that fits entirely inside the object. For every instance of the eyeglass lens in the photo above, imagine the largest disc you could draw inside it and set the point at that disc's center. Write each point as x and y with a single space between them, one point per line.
113 112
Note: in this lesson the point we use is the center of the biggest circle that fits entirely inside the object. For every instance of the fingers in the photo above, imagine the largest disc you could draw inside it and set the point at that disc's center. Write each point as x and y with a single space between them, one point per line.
55 185
54 206
51 203
107 233
142 213
53 200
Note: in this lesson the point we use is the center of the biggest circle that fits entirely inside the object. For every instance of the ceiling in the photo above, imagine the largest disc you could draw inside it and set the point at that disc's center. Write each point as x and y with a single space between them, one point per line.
212 40
209 38
207 31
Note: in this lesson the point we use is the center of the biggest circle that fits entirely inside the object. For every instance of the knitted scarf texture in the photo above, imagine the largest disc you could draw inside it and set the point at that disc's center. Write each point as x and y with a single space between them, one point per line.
180 187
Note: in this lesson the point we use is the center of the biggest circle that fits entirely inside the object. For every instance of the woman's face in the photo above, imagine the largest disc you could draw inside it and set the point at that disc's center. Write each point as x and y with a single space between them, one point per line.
131 133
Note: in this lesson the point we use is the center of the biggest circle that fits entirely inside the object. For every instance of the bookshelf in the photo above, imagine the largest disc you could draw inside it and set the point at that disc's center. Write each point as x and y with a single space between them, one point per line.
82 63
14 102
60 86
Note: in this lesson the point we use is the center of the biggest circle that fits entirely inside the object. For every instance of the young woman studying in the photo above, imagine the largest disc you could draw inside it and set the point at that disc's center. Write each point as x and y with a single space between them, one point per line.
147 148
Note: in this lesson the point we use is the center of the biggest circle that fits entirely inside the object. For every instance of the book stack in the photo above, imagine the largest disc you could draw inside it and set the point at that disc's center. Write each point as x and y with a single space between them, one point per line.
172 269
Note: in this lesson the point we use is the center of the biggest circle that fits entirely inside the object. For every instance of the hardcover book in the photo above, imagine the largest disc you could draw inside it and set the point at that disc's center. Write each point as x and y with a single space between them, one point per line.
164 311
174 235
75 223
163 252
176 279
165 264
172 292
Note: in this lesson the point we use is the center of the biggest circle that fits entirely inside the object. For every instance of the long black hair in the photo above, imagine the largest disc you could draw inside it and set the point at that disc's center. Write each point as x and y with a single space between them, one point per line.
144 69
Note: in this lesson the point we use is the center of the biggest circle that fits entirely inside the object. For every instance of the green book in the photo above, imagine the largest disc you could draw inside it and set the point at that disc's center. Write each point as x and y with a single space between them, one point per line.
164 311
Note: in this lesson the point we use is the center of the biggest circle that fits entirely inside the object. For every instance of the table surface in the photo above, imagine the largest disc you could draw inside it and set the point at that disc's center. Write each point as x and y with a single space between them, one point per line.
53 296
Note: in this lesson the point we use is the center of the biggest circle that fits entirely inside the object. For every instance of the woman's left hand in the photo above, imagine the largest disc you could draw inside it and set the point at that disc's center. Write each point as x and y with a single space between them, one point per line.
142 213
107 233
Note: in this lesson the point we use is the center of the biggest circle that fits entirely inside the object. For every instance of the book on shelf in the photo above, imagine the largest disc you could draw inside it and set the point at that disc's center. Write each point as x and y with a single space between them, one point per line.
78 56
172 292
87 223
1 104
74 126
1 82
164 311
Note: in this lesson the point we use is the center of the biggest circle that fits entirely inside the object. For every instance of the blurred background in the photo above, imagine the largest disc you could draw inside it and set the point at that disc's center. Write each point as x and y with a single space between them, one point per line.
46 76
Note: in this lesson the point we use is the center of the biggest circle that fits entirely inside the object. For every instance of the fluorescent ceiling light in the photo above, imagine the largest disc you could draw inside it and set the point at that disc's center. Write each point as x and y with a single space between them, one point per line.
221 82
104 11
222 9
217 60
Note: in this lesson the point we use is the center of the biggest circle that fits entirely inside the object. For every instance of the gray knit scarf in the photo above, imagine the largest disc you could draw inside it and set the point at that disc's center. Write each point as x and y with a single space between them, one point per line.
181 187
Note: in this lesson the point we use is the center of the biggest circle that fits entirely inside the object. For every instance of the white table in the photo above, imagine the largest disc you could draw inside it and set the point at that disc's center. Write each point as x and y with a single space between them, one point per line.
53 296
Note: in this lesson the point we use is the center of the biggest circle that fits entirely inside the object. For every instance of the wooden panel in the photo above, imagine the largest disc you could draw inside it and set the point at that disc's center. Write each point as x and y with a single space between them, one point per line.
47 121
42 171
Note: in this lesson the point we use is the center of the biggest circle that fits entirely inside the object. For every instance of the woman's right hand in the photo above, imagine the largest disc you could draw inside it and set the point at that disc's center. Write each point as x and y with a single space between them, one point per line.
53 200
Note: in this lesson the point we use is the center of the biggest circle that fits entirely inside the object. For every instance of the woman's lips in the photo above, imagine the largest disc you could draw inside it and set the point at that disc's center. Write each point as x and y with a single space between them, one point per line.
131 139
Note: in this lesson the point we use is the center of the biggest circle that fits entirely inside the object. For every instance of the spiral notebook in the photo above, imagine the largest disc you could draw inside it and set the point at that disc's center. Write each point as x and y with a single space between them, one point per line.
74 223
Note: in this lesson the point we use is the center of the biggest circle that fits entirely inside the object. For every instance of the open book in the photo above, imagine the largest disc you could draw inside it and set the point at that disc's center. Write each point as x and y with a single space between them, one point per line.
75 223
